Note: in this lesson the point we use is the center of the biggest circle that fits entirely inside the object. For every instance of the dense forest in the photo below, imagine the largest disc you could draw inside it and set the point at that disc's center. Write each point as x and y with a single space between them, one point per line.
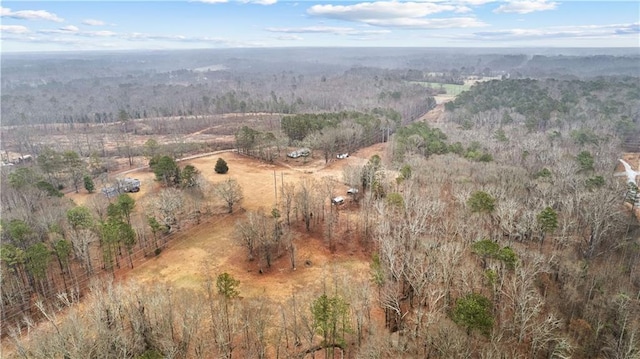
498 230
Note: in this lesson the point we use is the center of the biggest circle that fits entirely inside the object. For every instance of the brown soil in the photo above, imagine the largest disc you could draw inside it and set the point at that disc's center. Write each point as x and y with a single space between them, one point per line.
209 249
434 115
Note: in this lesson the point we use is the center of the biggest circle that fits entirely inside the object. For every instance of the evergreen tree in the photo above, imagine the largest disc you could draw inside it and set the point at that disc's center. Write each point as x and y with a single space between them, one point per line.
474 312
166 170
88 184
221 166
481 202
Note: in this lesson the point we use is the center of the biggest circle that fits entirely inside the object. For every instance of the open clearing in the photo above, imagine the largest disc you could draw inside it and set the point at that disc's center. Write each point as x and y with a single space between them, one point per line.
206 250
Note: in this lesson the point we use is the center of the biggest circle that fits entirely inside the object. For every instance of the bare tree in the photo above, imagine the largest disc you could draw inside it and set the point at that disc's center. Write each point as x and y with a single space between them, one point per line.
287 195
230 192
305 200
600 212
169 204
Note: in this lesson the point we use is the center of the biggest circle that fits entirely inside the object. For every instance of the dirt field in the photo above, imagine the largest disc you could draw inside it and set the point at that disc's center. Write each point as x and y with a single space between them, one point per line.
209 249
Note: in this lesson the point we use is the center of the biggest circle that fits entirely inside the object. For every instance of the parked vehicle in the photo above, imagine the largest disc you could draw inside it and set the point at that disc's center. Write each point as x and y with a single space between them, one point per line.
303 152
122 185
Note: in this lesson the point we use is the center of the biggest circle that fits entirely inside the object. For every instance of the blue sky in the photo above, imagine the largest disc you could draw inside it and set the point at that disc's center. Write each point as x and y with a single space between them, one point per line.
126 25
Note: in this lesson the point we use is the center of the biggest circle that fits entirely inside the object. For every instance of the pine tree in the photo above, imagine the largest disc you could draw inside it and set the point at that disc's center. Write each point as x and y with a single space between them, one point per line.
221 166
88 184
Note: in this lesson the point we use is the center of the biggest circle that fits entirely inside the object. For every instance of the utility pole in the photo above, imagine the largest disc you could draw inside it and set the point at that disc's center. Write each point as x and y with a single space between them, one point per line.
275 187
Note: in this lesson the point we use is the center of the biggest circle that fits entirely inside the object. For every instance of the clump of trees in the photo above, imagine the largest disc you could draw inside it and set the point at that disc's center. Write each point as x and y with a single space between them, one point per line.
168 172
420 138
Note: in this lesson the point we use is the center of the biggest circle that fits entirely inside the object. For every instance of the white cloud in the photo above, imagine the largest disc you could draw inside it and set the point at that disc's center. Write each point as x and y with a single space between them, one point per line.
69 28
475 2
423 23
211 1
14 29
462 9
396 14
30 15
378 10
576 32
525 6
103 33
259 2
290 37
336 30
93 22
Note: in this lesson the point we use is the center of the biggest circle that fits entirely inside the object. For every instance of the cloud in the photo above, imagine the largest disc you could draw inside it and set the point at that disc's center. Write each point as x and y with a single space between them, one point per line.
290 37
69 28
475 2
577 32
75 31
462 9
326 30
378 10
14 29
93 22
103 33
259 2
525 6
30 15
443 23
628 29
396 14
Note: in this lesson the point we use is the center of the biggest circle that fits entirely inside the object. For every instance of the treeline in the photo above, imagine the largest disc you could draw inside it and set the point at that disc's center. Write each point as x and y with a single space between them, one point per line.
196 93
215 321
420 138
298 127
532 254
330 133
52 247
543 104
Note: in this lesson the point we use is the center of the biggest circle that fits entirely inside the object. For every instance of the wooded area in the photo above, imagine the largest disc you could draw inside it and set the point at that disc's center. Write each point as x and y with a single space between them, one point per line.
496 230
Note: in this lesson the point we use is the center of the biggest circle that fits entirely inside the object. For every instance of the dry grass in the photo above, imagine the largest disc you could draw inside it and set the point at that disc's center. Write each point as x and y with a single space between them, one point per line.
208 249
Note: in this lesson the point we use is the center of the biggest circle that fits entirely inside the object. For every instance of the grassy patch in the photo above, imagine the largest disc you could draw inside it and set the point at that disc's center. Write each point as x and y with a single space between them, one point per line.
451 89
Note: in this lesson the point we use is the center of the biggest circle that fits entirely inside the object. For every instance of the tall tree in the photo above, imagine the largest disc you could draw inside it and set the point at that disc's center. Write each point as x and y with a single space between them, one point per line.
88 184
81 220
166 170
50 162
189 177
474 311
37 263
330 315
230 192
74 167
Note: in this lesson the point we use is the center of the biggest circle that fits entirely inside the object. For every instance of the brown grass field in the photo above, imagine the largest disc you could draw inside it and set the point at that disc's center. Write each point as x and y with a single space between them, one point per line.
208 249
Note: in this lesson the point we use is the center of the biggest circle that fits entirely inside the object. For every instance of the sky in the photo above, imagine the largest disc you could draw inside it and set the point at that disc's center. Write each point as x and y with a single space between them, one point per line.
139 25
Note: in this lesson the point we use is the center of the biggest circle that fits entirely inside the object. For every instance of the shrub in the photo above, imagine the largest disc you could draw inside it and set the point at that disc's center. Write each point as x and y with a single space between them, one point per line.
221 166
